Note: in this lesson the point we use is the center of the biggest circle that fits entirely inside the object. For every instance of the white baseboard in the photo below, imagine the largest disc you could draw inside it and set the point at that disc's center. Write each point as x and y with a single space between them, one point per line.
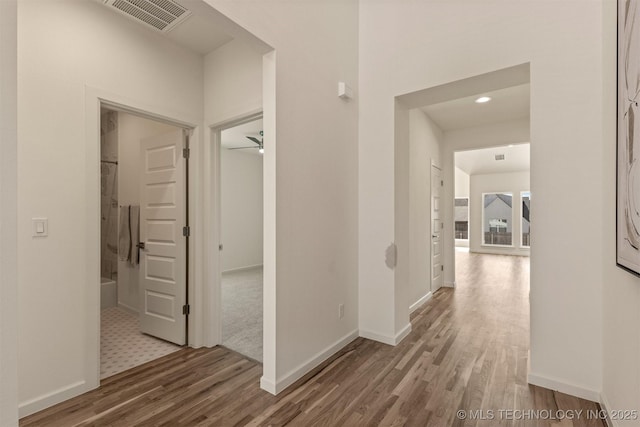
374 336
604 403
46 400
449 284
268 385
386 339
299 372
128 308
403 333
564 387
248 267
416 305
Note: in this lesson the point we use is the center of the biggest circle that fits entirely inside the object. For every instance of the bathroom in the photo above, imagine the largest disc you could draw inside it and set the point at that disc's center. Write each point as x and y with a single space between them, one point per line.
122 344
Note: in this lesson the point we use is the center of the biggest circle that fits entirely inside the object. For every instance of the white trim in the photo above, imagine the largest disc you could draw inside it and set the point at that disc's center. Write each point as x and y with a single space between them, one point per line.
248 267
49 399
386 339
238 119
462 243
403 333
128 308
268 386
564 387
421 301
299 372
604 403
94 99
374 336
449 284
212 207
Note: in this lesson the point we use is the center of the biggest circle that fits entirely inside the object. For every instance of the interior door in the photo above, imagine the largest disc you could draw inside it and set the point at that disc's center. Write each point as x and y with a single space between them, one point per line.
162 217
436 229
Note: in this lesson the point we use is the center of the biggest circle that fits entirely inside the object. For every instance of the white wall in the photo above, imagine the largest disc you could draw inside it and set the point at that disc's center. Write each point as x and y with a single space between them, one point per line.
67 49
8 220
241 209
621 290
513 183
233 82
425 139
316 187
564 48
132 129
461 183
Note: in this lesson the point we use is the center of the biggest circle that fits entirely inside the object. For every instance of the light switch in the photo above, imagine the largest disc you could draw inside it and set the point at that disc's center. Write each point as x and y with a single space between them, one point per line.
40 227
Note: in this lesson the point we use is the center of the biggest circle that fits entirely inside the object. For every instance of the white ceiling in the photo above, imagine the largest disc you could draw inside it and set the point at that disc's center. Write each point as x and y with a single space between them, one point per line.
237 137
506 104
200 32
475 162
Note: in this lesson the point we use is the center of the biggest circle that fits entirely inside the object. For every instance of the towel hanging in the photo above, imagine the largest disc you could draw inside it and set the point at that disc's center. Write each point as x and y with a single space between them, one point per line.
129 234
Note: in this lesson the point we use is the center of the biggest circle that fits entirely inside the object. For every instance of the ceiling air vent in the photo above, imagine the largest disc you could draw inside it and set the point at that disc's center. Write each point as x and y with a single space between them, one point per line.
499 156
162 15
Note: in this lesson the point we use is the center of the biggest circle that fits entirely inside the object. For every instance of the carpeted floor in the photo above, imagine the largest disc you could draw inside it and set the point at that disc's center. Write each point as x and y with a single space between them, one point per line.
123 346
242 312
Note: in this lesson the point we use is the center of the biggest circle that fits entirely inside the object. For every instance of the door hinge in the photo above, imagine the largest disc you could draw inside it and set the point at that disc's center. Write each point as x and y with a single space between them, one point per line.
186 309
186 231
220 247
186 153
441 183
441 267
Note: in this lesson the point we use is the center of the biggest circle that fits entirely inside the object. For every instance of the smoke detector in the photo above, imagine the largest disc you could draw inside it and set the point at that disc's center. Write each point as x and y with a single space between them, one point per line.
499 156
161 15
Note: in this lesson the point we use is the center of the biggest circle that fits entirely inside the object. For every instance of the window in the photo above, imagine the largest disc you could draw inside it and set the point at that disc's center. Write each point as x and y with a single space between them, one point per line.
461 214
526 222
497 217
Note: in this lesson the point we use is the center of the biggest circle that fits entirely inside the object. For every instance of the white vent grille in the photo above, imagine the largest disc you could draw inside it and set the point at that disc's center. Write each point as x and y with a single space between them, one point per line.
499 156
163 15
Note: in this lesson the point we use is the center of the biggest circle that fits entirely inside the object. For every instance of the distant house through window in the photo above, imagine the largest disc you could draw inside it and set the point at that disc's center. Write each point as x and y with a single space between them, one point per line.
462 218
497 214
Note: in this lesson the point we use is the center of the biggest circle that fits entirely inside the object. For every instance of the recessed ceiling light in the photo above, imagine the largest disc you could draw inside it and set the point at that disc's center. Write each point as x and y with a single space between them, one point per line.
483 99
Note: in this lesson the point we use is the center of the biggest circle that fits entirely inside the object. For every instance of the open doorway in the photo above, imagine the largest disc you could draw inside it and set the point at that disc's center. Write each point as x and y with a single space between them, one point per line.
241 230
493 200
143 249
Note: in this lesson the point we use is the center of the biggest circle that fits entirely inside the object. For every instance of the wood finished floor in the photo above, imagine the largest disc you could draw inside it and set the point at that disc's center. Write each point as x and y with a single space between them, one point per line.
467 351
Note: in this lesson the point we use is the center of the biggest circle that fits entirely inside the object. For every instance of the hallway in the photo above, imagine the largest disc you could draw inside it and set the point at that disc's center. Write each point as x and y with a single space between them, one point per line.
467 351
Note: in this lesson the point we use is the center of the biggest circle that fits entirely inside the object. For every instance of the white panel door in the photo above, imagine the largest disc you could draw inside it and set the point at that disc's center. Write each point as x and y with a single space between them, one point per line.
162 216
436 229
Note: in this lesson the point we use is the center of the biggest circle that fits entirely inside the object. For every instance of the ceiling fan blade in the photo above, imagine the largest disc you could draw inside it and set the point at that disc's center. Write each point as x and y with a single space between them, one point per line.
256 140
240 148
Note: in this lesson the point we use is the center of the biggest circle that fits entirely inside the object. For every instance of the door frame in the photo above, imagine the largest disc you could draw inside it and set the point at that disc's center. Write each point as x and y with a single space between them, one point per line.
94 100
215 215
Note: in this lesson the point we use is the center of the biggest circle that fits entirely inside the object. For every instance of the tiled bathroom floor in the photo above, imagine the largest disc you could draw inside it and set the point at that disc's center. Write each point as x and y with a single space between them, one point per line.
123 346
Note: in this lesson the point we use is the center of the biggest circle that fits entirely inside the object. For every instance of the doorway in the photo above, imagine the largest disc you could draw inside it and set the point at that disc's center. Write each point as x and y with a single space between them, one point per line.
493 184
241 232
143 204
